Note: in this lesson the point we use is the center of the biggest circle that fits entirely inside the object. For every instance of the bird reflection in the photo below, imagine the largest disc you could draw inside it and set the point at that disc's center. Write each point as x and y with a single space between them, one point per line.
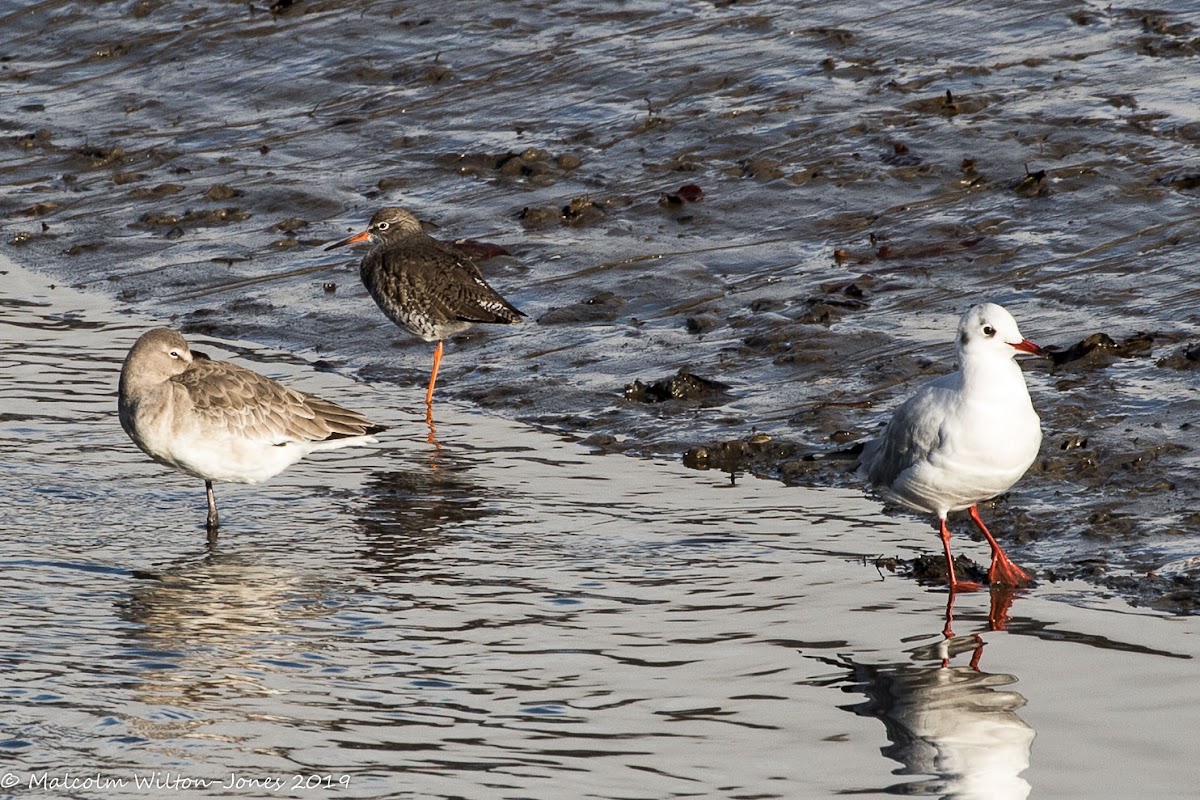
209 629
1001 599
431 438
410 512
952 723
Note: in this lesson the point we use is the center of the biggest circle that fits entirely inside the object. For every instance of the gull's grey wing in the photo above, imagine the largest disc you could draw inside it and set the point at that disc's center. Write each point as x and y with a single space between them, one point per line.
913 433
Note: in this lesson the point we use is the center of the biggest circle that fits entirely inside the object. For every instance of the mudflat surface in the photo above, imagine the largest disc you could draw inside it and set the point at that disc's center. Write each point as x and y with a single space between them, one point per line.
867 171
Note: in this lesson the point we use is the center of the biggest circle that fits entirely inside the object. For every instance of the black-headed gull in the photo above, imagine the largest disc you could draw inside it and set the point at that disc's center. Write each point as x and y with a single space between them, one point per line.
221 422
965 437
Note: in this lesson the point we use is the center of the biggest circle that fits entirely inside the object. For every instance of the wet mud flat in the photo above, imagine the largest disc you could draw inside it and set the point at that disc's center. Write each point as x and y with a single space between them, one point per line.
772 214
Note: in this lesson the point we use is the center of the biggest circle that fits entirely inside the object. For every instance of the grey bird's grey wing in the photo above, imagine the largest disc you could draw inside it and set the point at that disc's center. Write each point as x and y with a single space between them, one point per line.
911 436
243 403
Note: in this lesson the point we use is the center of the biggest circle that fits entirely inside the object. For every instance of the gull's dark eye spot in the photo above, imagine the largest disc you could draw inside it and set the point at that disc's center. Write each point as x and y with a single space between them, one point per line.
175 354
989 331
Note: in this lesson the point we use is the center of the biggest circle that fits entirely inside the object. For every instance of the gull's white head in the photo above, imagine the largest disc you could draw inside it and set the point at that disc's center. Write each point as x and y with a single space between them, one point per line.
988 328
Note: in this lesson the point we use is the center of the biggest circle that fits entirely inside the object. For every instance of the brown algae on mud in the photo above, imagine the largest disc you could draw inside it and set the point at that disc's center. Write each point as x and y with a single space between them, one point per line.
865 176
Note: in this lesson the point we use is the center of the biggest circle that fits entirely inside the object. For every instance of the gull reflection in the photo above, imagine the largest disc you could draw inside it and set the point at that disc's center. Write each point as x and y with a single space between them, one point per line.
954 724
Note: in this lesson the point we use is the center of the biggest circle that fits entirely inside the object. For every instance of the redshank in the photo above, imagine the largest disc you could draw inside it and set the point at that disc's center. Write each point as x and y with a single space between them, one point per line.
425 286
965 437
221 422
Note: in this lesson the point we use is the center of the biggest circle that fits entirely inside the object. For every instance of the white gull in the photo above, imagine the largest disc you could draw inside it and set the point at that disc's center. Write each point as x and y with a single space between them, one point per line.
964 437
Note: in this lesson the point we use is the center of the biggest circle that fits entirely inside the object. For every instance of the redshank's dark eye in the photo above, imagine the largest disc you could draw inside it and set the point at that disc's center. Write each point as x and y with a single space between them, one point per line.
382 226
989 331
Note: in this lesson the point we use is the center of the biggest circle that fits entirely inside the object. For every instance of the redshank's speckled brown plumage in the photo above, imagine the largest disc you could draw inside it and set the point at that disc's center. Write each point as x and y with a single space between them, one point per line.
221 422
423 285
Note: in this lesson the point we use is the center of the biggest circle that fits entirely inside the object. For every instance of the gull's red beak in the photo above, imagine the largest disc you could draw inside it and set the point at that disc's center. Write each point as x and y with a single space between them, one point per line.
1026 346
355 239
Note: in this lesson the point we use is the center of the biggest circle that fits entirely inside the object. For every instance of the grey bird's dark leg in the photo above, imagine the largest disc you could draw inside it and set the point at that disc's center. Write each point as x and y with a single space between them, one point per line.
212 506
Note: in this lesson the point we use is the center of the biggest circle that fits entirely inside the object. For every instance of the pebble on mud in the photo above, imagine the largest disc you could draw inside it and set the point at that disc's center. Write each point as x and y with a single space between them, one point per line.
760 454
100 156
701 323
582 211
1186 357
217 216
477 250
688 193
290 225
39 139
602 307
578 212
763 170
534 165
221 191
1032 185
931 569
1099 349
683 386
162 190
38 209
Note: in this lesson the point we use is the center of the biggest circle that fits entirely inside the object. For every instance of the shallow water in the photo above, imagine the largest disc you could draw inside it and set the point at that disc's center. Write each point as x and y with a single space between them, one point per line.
503 613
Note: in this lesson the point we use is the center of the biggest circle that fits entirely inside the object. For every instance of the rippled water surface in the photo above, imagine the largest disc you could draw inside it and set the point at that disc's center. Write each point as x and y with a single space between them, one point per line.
502 613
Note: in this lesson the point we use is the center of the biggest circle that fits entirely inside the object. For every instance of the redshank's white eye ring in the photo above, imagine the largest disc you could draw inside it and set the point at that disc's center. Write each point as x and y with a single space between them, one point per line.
382 226
989 331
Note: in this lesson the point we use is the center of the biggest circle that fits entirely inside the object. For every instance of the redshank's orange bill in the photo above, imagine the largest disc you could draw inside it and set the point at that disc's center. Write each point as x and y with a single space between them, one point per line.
355 239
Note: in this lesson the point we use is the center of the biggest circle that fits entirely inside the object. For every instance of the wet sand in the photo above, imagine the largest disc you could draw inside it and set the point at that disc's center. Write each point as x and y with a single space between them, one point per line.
866 173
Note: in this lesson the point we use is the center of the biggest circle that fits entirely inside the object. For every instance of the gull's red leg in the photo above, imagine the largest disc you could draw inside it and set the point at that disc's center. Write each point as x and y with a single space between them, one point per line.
1003 570
955 584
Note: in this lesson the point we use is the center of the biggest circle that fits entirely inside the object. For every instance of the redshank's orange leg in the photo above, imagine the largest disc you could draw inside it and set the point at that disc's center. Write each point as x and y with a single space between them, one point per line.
1003 570
437 362
955 584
